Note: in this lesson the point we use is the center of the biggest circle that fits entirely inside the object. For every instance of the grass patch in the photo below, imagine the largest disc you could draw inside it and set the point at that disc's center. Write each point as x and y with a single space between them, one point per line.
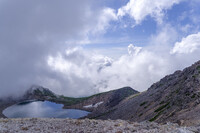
155 117
161 107
198 68
193 96
187 94
177 91
162 102
196 75
168 107
140 114
143 103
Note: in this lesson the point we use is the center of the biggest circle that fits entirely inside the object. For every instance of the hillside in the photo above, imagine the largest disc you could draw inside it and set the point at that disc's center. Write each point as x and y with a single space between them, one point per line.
101 101
174 98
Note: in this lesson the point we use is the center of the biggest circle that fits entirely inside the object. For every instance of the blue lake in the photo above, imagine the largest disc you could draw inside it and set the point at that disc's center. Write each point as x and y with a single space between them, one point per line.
40 109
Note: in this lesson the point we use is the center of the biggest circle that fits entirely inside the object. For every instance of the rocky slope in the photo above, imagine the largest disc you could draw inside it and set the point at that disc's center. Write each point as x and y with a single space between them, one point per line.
174 98
37 125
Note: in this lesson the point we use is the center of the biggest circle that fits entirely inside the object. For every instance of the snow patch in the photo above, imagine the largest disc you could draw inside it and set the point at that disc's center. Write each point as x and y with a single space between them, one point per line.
93 105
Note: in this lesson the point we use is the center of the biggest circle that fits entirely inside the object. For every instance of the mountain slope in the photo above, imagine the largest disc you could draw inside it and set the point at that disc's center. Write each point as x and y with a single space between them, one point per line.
174 98
104 101
101 101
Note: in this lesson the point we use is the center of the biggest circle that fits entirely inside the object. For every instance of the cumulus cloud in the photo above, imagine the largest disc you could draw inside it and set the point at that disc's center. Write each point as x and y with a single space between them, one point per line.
106 15
133 50
79 69
138 69
139 9
187 45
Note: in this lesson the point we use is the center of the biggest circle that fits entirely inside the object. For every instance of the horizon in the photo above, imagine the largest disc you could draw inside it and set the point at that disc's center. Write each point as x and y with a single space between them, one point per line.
79 48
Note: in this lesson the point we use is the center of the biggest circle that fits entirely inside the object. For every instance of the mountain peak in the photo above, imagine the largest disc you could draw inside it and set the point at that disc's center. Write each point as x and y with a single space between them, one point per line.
39 91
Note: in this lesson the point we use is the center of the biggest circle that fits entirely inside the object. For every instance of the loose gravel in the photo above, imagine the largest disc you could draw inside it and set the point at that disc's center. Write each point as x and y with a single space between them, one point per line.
51 125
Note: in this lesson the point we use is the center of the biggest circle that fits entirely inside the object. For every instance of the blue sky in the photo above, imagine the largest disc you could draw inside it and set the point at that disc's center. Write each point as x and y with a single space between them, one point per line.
123 32
178 16
79 48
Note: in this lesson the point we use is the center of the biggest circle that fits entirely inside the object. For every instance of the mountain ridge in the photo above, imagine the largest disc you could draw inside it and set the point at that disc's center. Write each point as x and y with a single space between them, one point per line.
100 101
175 98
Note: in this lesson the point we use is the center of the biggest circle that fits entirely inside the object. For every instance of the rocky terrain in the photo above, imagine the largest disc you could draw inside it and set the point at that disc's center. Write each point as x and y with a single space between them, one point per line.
38 125
175 98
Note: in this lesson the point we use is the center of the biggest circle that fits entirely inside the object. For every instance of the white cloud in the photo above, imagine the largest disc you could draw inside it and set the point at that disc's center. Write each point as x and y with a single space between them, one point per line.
187 45
79 70
105 16
139 9
138 71
166 36
90 72
133 50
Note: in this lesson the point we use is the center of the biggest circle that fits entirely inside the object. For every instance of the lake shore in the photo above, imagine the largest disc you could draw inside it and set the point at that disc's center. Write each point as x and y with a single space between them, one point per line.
37 125
4 106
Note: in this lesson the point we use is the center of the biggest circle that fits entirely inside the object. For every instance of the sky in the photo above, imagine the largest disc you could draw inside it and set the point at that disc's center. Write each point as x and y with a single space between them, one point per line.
82 47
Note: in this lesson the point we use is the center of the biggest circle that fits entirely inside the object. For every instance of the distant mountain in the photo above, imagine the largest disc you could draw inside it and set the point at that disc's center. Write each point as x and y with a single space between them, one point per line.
101 101
175 98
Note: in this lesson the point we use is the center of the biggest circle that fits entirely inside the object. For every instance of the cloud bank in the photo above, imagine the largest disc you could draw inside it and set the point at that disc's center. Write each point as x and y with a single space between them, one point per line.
33 30
42 43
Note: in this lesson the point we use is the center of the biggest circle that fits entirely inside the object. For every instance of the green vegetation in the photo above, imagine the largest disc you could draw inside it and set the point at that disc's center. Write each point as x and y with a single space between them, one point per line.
162 102
143 103
155 117
187 94
68 101
198 68
162 107
160 85
119 94
168 107
140 114
193 96
160 110
177 91
196 75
